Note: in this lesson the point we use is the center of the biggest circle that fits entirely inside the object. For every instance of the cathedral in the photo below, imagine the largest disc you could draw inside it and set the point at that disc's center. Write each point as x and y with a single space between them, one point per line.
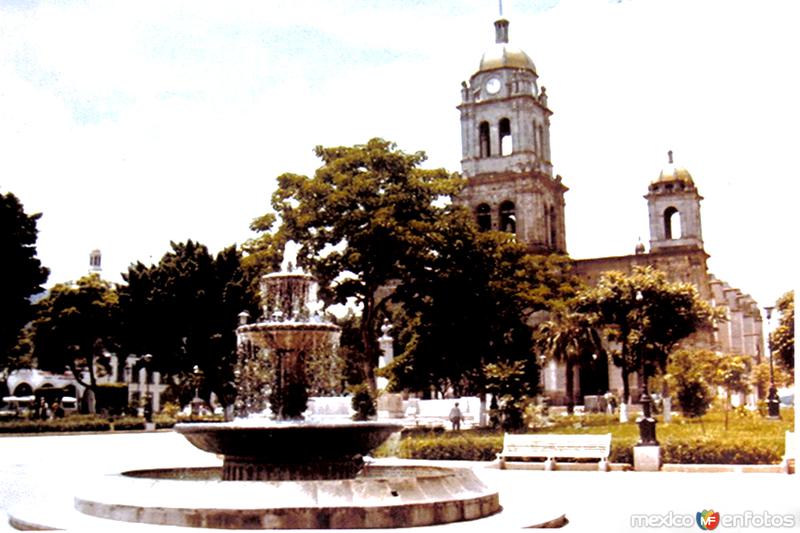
505 136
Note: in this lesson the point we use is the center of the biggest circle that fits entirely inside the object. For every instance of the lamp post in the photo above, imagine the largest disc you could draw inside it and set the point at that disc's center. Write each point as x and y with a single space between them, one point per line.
196 401
148 401
647 424
773 403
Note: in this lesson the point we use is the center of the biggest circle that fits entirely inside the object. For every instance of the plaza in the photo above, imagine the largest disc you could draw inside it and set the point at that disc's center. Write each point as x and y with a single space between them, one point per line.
41 473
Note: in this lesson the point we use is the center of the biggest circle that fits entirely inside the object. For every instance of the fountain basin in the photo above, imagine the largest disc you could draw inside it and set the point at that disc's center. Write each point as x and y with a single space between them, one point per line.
386 496
291 450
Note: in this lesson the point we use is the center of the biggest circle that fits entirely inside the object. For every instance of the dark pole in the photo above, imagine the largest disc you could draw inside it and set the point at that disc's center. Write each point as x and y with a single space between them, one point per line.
647 424
773 403
148 400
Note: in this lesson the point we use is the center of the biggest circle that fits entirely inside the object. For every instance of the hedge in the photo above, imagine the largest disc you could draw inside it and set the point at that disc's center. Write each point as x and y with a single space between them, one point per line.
62 425
465 446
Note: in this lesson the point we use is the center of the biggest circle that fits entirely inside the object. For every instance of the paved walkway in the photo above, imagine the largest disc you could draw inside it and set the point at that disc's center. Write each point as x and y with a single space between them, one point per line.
42 472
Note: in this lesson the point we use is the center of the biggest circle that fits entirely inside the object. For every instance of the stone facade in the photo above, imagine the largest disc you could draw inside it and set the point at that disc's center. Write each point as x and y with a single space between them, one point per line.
505 133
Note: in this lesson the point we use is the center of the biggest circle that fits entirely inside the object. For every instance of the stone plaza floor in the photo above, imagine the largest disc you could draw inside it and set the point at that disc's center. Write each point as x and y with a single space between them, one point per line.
40 473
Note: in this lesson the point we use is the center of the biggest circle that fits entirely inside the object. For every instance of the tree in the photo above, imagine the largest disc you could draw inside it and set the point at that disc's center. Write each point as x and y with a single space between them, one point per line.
184 312
362 221
648 316
691 373
76 326
23 272
732 374
471 305
760 377
570 337
781 340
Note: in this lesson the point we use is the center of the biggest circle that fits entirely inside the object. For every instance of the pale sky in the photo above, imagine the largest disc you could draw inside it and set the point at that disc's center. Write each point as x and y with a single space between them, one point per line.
130 124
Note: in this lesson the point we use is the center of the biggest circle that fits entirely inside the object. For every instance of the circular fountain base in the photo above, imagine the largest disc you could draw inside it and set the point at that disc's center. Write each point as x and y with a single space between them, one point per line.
380 497
256 469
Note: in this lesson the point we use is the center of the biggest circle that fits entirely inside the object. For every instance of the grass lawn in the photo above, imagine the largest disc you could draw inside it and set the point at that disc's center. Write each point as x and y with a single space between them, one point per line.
749 439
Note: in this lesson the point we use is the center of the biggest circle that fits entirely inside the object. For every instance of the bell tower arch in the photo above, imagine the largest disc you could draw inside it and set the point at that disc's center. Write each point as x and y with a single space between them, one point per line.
505 139
673 203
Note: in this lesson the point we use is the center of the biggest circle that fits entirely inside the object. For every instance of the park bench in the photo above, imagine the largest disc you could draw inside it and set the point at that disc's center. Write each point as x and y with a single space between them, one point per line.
551 447
436 413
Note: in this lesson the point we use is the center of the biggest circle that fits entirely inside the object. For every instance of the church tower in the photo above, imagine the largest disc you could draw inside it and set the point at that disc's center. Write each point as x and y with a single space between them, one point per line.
674 206
505 138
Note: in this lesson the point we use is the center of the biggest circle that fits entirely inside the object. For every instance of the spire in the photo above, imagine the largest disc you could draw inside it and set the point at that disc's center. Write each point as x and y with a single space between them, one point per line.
501 30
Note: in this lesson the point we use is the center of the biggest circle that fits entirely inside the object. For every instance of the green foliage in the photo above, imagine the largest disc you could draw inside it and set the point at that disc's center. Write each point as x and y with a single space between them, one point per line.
647 314
470 305
733 372
76 325
111 398
694 398
692 375
750 440
508 382
705 450
363 402
370 209
23 272
452 446
128 423
184 311
62 425
572 338
760 378
781 340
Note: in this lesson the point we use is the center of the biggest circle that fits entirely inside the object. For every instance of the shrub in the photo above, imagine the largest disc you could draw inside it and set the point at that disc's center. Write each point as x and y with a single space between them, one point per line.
61 425
164 421
363 403
128 423
452 447
111 397
728 451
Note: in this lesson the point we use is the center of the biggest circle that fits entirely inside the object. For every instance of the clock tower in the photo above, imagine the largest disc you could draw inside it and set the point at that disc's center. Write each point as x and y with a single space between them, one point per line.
505 138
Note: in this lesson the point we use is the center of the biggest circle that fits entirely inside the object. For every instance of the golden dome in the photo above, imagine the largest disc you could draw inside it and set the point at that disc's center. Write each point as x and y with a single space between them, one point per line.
672 173
502 55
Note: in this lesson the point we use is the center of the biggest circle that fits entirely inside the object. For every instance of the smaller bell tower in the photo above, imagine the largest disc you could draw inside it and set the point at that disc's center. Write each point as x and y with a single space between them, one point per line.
674 206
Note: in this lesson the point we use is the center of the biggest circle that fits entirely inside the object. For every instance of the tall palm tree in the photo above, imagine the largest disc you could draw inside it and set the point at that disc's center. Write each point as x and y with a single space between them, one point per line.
569 337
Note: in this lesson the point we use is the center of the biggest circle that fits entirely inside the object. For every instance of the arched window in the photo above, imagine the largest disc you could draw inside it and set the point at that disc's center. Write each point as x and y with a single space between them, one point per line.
483 216
506 143
508 217
553 229
672 224
483 139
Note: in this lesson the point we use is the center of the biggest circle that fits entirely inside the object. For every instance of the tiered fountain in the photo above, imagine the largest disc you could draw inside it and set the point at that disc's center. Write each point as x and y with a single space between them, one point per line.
282 471
290 352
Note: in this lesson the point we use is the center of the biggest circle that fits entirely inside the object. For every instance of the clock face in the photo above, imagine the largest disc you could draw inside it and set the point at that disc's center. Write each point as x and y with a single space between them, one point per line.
492 86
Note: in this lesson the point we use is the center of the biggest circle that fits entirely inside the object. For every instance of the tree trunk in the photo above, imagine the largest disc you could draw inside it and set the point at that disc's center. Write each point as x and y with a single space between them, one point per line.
626 388
570 387
371 348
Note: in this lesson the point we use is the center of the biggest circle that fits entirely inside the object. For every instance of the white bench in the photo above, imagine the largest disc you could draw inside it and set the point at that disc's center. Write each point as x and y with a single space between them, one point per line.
436 413
551 447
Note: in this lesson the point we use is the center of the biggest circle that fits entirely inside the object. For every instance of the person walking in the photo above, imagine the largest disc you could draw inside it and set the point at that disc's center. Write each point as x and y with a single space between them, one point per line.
456 417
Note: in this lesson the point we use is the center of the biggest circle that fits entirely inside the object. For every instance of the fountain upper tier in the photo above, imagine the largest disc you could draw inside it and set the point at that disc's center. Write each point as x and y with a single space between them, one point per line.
289 297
